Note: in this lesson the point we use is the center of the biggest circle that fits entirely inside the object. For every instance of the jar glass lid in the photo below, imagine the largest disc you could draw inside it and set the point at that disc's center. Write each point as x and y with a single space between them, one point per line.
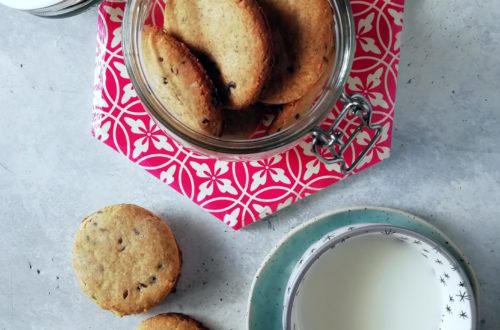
50 8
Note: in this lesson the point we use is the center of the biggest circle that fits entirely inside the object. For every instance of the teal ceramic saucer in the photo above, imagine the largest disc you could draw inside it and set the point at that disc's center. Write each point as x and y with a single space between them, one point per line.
268 290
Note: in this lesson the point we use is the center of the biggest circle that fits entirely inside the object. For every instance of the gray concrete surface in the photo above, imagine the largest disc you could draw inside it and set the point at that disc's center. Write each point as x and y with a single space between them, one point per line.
445 167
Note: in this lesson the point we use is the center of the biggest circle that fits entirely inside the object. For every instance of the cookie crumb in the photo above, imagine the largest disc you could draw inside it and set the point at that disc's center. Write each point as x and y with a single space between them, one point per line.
231 85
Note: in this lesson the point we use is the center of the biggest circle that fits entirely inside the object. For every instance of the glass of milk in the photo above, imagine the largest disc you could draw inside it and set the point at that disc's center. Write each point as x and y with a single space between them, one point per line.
378 277
50 8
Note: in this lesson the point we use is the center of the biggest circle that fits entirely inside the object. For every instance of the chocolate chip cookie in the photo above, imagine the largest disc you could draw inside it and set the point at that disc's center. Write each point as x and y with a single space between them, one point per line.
294 111
126 259
181 82
171 321
303 35
231 38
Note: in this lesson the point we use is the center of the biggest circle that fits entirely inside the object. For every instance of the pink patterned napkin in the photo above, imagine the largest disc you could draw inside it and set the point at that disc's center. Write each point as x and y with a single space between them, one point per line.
241 193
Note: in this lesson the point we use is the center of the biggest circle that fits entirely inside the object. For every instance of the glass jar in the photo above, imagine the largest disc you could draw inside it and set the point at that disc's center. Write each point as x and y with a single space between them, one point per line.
139 13
50 8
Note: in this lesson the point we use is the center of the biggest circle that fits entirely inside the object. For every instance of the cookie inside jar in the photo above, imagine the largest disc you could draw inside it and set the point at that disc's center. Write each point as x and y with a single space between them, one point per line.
258 92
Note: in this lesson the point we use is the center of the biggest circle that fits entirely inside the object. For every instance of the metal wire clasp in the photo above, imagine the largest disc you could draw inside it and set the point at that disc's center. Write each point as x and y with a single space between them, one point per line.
332 141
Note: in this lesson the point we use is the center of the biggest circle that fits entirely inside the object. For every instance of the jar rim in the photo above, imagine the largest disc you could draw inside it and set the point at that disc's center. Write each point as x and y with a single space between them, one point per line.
133 23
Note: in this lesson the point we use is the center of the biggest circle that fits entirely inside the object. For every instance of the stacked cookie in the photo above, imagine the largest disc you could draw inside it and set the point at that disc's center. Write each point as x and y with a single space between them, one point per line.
217 57
127 260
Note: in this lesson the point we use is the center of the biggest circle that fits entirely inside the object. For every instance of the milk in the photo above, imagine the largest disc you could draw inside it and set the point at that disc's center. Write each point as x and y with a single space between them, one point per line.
372 282
30 4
